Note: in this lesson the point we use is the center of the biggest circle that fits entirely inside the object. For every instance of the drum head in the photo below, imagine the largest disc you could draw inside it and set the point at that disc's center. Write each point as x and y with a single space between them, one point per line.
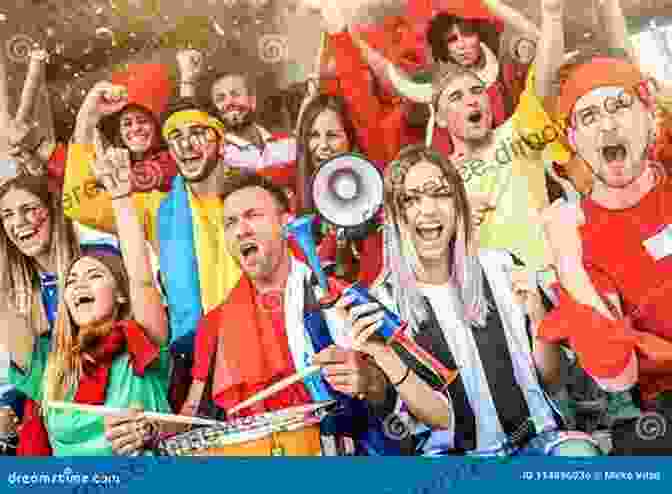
246 429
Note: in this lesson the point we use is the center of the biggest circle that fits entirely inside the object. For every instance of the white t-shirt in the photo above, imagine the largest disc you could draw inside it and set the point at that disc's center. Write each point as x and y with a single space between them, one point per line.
489 431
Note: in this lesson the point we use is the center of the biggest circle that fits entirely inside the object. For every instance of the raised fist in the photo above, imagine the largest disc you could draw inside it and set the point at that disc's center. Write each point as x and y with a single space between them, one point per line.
104 99
190 64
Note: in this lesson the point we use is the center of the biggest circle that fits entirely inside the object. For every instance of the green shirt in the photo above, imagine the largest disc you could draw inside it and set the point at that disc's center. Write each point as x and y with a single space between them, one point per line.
74 433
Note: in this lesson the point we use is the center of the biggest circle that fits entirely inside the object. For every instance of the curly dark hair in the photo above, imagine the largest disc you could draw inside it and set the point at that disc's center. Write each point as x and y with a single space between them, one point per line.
443 23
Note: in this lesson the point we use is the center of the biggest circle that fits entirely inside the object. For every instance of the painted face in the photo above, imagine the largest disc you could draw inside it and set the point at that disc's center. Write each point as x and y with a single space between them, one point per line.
253 225
27 222
91 292
464 45
195 149
430 213
464 109
328 137
612 130
138 131
233 101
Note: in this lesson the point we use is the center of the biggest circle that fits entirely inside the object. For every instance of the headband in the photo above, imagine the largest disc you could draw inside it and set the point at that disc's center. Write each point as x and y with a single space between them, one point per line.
599 72
192 116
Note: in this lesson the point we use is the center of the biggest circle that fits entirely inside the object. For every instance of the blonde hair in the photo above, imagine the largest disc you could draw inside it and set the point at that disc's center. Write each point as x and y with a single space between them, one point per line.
65 364
444 74
18 273
400 258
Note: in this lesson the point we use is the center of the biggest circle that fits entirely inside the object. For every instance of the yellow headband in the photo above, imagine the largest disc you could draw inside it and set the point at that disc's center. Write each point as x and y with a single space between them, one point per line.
192 116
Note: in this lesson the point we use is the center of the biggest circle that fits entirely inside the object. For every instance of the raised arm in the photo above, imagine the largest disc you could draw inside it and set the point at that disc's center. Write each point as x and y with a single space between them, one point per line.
31 134
551 49
616 27
513 19
4 92
146 303
82 202
190 66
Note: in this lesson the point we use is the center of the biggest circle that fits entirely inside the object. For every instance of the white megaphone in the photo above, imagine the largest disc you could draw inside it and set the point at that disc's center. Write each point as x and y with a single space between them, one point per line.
347 191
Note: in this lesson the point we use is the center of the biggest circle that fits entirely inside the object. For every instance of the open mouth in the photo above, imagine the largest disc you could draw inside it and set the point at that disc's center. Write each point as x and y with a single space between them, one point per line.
191 161
475 116
248 249
613 153
429 232
138 139
85 301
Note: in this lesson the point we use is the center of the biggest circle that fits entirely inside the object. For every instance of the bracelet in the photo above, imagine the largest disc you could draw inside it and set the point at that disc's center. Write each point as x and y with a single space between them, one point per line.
408 371
121 196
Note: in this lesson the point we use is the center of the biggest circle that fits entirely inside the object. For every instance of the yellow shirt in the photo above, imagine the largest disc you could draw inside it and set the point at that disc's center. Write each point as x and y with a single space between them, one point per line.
514 178
218 271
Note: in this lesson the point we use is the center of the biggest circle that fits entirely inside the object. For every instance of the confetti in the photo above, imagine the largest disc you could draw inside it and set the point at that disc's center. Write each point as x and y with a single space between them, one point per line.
218 28
104 32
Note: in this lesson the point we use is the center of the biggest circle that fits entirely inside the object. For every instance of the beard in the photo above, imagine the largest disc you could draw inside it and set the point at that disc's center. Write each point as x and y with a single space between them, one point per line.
239 123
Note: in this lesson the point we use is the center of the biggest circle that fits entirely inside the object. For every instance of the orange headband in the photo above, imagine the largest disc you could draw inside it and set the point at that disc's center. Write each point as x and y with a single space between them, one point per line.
599 72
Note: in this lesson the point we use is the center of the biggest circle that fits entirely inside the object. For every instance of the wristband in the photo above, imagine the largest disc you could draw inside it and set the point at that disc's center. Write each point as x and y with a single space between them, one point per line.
408 371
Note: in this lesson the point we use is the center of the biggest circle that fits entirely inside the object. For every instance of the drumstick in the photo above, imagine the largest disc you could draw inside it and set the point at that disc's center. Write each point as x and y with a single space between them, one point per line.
275 388
122 412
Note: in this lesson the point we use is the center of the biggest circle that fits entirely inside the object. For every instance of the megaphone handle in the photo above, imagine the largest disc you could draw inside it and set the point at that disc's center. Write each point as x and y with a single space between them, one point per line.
341 246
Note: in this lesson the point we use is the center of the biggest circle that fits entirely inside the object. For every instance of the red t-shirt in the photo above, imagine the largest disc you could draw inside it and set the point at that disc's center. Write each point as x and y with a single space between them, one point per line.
270 319
623 257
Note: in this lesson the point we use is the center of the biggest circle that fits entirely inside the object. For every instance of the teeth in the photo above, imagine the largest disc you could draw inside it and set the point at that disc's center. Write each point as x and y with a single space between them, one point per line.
84 301
614 153
432 233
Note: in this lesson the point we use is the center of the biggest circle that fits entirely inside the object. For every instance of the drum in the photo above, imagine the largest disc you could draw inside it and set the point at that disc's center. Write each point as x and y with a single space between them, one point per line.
292 431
